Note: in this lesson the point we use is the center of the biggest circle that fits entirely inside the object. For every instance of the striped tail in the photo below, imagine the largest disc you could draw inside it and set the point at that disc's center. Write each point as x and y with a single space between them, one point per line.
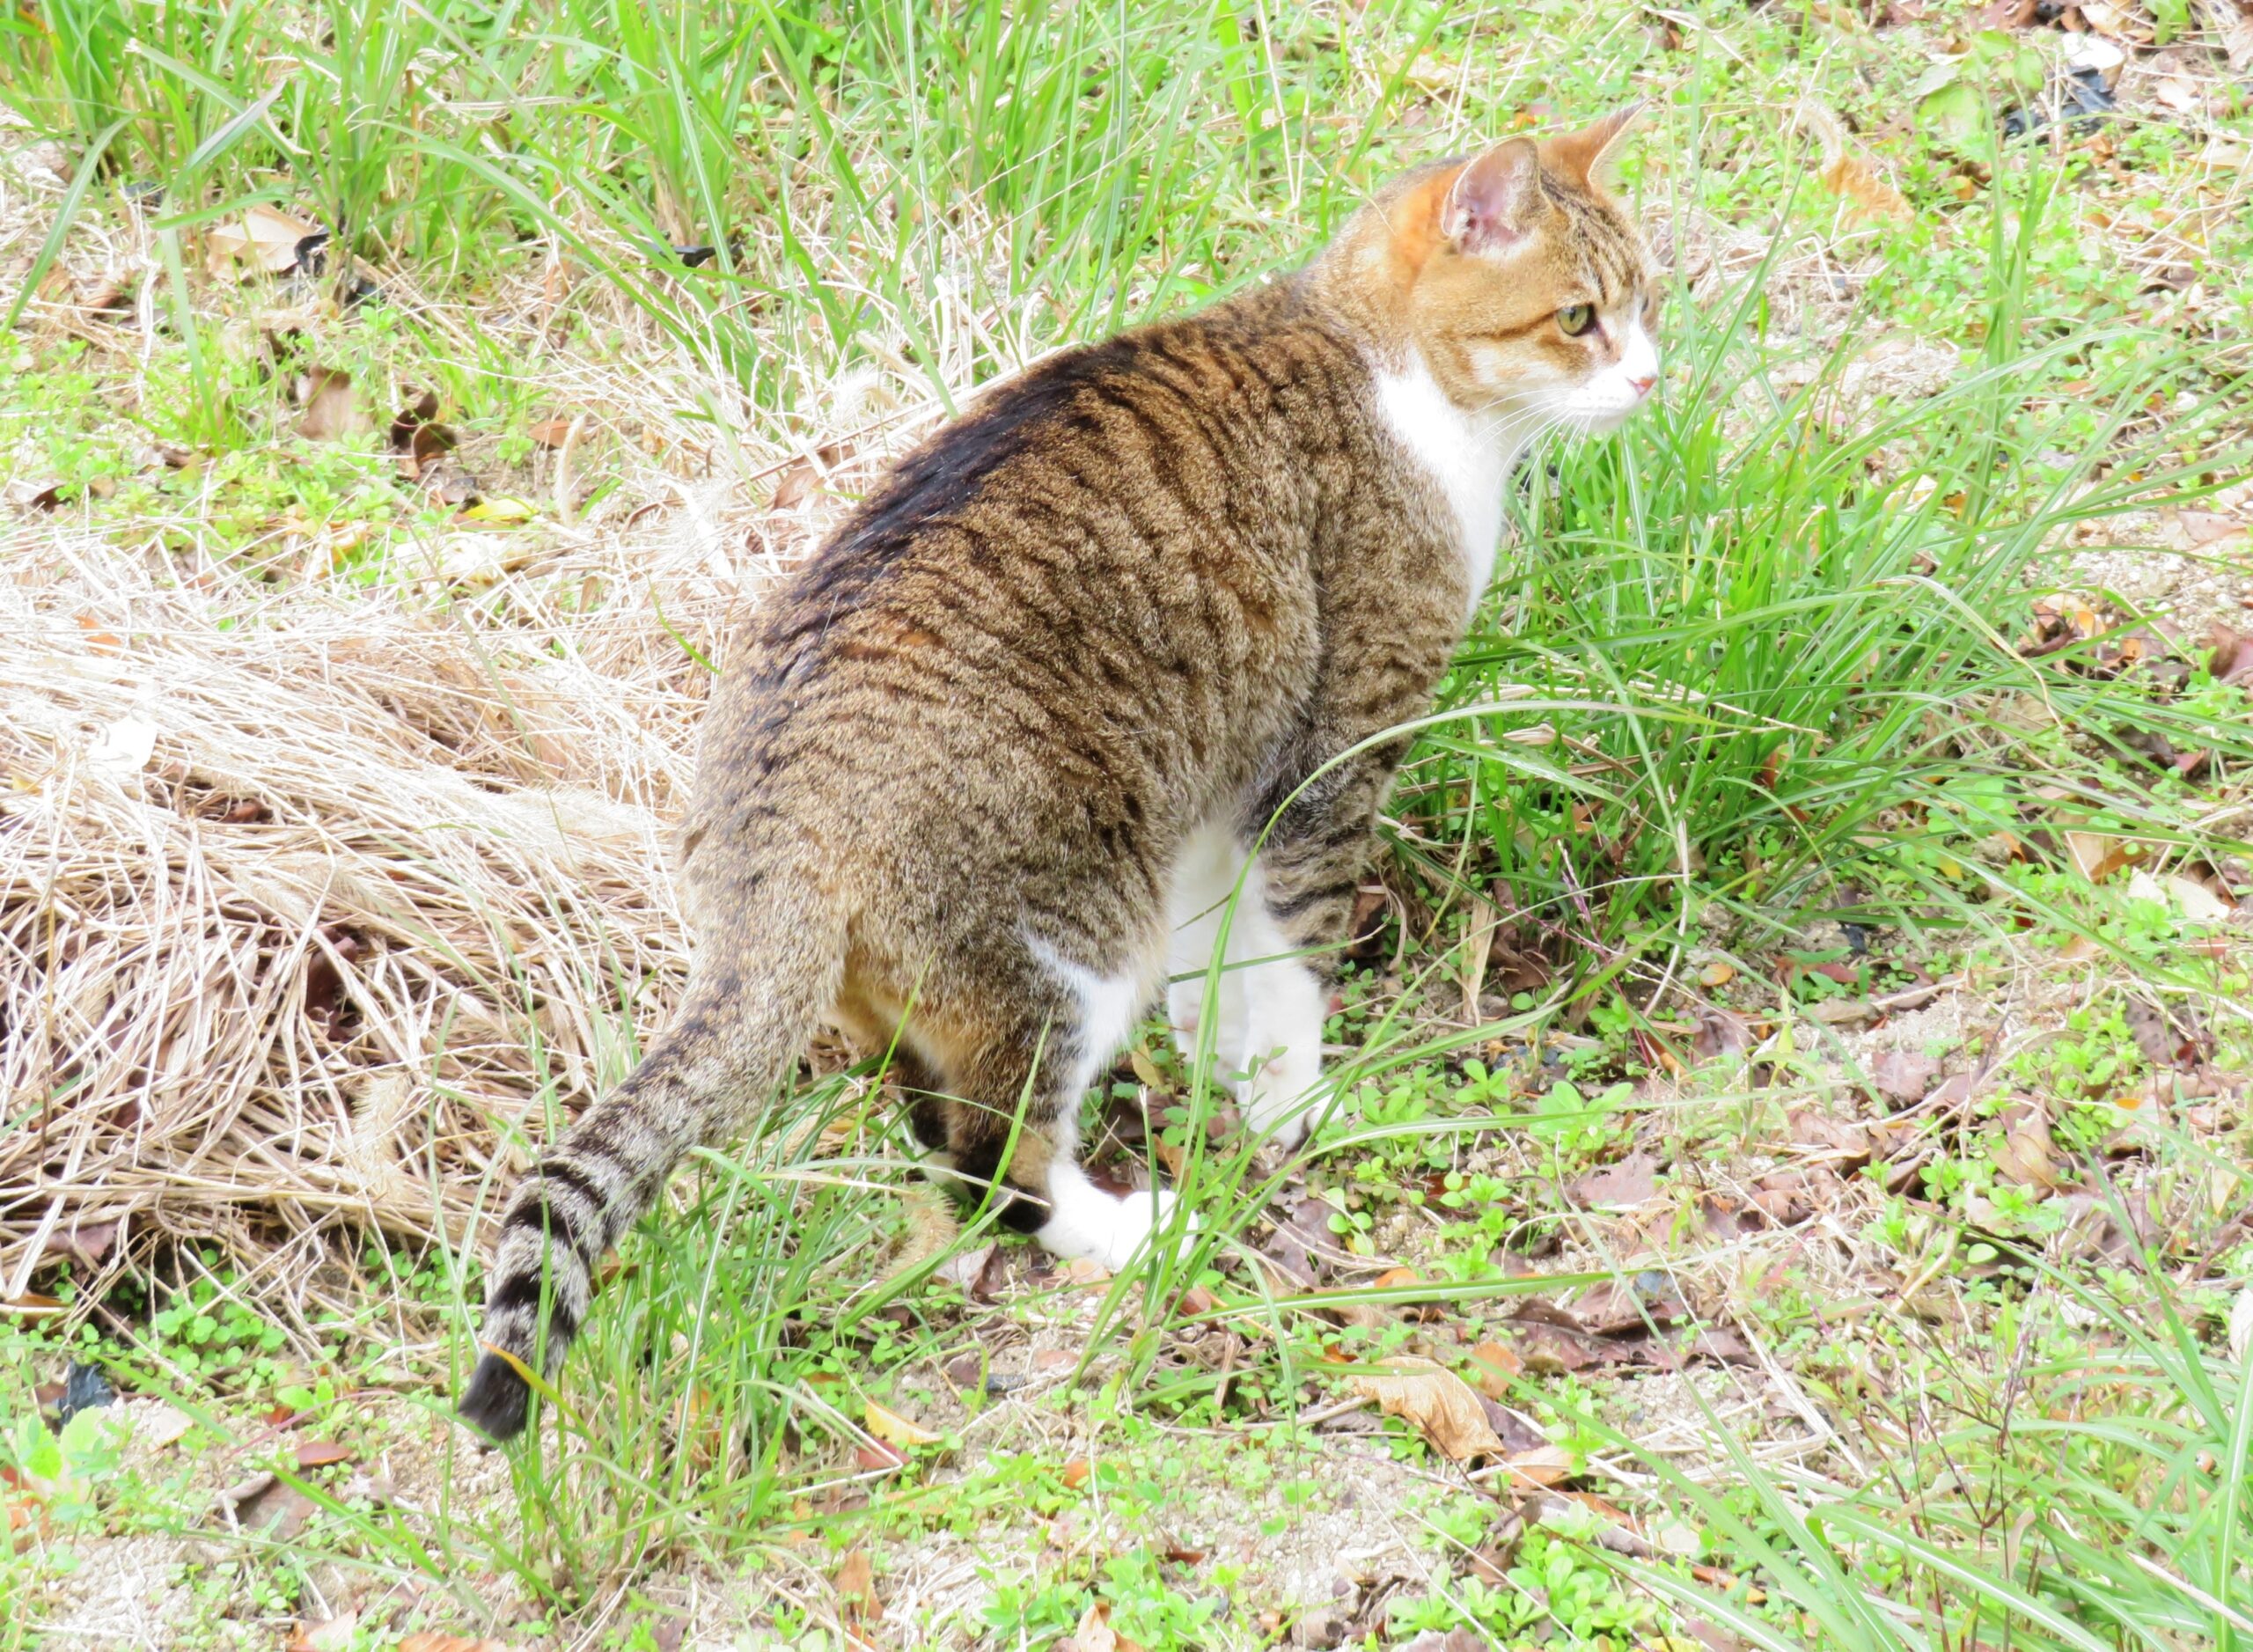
751 1006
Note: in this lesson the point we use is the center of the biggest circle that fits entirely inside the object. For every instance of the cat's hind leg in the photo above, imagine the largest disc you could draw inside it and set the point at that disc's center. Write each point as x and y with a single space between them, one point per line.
1017 1081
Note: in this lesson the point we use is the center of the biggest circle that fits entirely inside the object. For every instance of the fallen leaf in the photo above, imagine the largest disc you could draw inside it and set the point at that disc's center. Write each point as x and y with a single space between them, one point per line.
429 1642
2028 1157
1543 1466
1634 1180
321 1453
157 1423
799 484
1840 1011
499 508
894 1429
1493 1366
1076 1472
417 439
856 1584
965 1269
1440 1405
1146 1070
330 410
1903 1075
1717 974
265 240
1845 173
2097 856
551 433
1095 1634
333 1635
877 1456
2162 1041
269 1505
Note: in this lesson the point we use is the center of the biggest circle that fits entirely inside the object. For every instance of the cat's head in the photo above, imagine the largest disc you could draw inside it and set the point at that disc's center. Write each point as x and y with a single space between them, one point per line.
1526 289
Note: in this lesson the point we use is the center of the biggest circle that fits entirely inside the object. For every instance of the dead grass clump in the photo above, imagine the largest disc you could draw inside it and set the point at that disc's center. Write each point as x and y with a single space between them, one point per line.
313 905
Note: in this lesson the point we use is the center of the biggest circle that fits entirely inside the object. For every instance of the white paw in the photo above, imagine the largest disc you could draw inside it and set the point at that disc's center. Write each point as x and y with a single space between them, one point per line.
1283 1114
1108 1231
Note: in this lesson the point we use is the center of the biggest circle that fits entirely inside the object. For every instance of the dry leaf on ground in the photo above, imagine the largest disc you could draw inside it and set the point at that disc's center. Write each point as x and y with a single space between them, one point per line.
1848 174
856 1584
894 1429
1440 1405
332 412
1632 1181
333 1635
265 240
1095 1634
1903 1075
431 1642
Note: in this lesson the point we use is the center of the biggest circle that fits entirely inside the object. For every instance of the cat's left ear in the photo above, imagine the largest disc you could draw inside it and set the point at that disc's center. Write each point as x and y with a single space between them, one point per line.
1586 157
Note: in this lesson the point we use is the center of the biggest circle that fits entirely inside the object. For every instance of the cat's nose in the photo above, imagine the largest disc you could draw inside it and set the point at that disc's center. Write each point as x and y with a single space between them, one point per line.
1642 383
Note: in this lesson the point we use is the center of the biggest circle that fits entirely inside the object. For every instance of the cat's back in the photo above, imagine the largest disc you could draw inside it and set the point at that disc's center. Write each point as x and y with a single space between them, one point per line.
1105 563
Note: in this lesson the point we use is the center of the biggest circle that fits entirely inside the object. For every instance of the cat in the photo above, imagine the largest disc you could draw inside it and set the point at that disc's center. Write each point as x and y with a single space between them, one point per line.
1124 650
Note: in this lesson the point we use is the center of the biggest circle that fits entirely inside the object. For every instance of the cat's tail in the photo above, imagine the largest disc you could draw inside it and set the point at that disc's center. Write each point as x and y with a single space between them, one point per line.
758 985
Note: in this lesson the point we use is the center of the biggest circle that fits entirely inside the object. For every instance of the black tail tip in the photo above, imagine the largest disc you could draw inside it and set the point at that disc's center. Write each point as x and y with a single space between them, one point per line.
495 1401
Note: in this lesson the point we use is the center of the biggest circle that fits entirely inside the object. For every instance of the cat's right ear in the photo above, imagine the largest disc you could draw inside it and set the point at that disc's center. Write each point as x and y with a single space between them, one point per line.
1495 201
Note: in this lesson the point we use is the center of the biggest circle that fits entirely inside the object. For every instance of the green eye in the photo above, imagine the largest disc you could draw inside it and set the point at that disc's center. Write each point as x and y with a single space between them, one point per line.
1576 319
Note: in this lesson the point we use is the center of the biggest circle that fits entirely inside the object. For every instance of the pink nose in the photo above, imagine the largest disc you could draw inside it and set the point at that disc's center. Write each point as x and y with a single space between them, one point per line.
1643 385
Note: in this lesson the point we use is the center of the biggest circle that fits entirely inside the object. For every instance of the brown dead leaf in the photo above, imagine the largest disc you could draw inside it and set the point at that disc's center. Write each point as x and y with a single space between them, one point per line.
1095 1634
856 1586
267 1504
2164 1043
430 1642
1543 1465
799 483
551 433
31 1303
333 1635
1842 1140
321 1453
1846 172
877 1456
1903 1075
330 410
266 240
418 440
2097 856
1076 1472
2028 1155
1721 1032
1492 1368
1634 1180
1437 1403
2231 657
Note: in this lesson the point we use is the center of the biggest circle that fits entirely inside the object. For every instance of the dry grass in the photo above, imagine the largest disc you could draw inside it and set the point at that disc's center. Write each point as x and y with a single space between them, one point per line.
315 899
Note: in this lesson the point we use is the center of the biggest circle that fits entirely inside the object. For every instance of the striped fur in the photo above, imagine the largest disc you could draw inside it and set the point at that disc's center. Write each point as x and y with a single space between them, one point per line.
1126 640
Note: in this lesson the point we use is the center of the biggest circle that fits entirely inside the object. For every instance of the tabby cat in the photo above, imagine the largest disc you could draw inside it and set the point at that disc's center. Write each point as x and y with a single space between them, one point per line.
1125 641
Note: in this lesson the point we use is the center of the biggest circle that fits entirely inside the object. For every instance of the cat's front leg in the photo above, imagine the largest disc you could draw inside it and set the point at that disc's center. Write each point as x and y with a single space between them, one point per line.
1318 842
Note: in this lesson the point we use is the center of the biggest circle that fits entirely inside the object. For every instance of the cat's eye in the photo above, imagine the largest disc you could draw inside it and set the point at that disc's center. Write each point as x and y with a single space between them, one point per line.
1575 318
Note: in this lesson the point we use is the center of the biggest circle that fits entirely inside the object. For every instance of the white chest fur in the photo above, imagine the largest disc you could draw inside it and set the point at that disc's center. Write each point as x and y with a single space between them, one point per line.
1468 458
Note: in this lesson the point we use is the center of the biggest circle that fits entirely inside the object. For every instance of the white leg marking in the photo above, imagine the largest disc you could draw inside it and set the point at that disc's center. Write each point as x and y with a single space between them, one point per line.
1284 1003
1204 883
1084 1221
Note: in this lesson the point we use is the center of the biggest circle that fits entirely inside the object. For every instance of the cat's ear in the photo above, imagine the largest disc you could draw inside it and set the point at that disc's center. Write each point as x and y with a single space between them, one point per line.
1584 157
1495 199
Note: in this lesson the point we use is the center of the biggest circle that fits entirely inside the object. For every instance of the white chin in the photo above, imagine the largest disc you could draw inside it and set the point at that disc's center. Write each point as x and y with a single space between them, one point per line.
1605 423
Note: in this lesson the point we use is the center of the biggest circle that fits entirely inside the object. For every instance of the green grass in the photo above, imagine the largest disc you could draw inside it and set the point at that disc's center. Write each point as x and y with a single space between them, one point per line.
1752 667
